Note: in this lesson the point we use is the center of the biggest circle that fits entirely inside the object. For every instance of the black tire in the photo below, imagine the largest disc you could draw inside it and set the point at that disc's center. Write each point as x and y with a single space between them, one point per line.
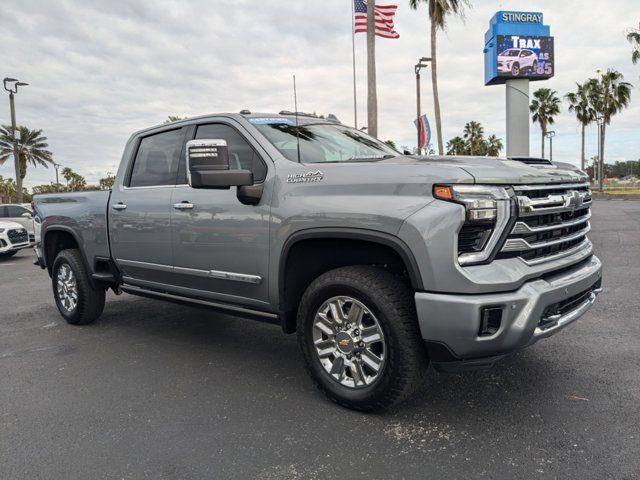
8 254
392 303
534 67
90 301
515 69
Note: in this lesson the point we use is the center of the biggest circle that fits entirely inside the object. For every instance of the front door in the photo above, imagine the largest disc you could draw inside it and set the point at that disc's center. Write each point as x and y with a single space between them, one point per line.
140 211
221 247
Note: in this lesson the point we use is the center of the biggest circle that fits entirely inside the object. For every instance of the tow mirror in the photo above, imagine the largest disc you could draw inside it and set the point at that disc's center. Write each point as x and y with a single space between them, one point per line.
208 166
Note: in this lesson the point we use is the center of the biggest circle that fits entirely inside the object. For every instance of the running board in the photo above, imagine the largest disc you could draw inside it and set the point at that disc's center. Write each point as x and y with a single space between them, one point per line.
197 302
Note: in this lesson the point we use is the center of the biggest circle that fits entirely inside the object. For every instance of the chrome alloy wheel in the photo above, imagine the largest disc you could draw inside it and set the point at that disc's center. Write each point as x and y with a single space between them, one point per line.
349 341
67 288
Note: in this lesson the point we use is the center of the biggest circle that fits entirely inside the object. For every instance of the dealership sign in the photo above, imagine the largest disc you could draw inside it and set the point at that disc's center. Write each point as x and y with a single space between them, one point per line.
517 45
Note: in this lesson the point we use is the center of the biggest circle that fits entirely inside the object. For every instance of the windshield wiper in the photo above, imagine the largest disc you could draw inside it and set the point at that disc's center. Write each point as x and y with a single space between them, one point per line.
374 158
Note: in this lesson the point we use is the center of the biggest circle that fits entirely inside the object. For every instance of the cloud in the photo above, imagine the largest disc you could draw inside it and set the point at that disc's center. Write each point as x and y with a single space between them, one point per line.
101 70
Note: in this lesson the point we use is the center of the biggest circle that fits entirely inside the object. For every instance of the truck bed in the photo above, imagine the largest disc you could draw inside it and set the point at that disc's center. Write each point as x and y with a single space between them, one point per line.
83 214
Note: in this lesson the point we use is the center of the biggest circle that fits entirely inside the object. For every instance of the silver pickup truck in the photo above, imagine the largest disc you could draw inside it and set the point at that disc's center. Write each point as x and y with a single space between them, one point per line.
380 262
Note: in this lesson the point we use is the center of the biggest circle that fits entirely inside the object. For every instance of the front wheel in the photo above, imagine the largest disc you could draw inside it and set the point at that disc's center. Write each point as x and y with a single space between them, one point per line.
515 69
359 336
77 300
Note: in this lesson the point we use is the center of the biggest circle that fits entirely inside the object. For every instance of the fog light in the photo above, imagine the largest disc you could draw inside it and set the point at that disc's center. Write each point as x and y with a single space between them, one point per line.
490 319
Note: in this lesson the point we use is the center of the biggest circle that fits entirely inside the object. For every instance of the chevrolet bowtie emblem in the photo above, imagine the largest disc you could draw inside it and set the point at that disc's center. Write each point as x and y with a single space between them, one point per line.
344 342
573 199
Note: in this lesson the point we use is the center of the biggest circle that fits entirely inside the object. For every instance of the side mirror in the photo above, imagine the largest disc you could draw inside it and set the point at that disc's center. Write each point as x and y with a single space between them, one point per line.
208 166
26 215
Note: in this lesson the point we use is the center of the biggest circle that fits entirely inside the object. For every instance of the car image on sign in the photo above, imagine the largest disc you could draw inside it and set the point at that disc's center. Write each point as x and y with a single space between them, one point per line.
525 57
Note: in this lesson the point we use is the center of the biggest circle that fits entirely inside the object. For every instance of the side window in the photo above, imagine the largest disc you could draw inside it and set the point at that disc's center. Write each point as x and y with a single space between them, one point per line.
14 211
242 156
3 212
156 162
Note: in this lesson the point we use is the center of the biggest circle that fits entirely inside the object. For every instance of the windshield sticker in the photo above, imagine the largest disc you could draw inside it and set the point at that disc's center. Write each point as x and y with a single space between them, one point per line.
271 121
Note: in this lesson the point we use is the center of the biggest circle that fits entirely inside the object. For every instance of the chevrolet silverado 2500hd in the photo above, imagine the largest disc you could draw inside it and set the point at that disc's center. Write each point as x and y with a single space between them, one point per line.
381 263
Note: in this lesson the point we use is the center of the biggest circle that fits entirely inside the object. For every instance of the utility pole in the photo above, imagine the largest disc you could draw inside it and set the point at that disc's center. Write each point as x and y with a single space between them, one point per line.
13 89
422 63
372 95
57 165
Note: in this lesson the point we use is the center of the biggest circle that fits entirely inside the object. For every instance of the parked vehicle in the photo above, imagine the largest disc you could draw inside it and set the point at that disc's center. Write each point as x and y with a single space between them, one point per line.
19 213
380 262
13 237
515 60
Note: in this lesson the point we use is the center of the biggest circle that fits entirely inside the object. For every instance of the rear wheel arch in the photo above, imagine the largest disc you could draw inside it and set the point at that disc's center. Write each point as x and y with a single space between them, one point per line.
310 253
57 239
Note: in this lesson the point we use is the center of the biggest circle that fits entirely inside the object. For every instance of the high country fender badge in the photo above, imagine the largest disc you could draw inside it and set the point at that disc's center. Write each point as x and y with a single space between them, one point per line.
308 177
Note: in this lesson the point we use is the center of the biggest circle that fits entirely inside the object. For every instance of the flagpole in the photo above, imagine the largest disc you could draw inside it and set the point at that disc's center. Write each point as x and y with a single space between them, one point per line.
353 55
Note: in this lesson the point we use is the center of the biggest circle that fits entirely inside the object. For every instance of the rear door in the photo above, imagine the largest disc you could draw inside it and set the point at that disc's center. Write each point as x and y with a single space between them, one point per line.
221 246
140 210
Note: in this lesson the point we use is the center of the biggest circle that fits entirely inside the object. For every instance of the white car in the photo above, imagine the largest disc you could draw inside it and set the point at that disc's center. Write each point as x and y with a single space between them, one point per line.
19 213
515 60
13 237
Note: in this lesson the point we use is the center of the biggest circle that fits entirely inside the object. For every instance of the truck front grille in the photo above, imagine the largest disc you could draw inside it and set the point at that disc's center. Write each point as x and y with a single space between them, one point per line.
18 236
553 221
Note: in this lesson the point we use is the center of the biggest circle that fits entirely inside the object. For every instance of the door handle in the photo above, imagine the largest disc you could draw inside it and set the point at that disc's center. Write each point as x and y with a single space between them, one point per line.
118 206
183 206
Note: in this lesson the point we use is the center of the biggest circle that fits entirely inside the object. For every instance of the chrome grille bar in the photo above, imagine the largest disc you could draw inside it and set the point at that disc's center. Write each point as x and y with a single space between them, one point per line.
520 244
521 228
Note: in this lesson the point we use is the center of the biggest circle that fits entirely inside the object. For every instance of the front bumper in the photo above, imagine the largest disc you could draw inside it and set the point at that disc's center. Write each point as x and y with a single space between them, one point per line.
450 323
7 246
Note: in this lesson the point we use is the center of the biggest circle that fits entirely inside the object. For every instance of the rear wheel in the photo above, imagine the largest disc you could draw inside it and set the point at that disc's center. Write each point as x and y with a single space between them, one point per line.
359 336
77 300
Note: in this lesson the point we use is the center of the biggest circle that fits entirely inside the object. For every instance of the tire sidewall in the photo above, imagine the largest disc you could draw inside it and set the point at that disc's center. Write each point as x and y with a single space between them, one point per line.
364 395
514 67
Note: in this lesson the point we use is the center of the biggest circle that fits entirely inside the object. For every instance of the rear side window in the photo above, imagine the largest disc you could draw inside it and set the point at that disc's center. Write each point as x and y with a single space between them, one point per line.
156 162
242 156
3 212
15 211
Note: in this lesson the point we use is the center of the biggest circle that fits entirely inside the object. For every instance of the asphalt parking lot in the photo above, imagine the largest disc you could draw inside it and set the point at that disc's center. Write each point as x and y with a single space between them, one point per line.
161 391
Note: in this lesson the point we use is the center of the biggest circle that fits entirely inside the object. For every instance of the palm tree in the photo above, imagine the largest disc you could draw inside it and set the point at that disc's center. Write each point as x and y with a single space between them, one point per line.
457 146
544 107
438 11
634 38
32 149
609 95
585 114
474 136
7 189
493 146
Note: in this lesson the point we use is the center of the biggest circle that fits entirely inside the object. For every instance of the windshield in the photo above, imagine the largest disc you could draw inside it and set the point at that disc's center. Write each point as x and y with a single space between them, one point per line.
323 142
510 53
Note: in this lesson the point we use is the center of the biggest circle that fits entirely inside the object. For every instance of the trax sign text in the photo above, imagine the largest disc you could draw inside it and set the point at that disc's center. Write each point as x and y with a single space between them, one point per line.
518 45
524 57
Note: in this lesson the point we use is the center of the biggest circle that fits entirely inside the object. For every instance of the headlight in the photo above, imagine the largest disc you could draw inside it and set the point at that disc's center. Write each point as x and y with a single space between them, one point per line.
487 212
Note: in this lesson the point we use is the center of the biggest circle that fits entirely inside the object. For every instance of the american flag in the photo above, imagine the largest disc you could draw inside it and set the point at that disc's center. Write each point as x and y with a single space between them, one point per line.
383 15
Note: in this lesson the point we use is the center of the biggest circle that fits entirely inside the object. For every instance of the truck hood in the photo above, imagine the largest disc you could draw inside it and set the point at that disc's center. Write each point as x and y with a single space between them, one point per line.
502 171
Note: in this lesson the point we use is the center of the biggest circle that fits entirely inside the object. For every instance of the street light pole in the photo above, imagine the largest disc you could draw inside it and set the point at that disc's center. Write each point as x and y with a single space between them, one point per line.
56 166
422 63
600 121
13 89
550 134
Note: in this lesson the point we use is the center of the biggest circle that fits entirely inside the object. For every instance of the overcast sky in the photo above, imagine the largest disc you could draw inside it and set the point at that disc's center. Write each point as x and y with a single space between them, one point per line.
100 70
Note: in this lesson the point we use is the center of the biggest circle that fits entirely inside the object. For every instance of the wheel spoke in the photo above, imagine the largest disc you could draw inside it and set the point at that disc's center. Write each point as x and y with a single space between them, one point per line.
336 313
357 373
371 360
356 313
325 348
323 323
371 335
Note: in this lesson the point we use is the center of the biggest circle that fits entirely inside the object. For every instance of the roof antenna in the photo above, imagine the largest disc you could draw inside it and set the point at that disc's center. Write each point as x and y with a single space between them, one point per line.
295 108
